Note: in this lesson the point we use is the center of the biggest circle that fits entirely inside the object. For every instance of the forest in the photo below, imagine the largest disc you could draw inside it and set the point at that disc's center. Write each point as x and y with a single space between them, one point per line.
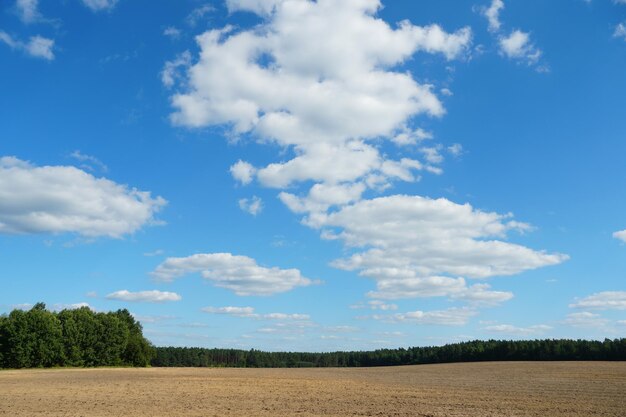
85 338
474 351
39 338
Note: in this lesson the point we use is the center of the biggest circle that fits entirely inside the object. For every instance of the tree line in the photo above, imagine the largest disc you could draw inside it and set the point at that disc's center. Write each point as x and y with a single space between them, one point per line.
84 338
474 351
72 337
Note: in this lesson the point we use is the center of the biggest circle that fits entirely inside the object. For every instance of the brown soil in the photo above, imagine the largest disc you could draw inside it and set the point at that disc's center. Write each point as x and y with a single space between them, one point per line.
480 389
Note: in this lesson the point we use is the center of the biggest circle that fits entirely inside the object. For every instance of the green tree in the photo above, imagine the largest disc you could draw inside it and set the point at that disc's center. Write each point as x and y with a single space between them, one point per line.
139 351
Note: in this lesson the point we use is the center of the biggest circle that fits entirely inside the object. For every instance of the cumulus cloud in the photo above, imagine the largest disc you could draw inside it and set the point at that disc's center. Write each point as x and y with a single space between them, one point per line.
449 317
316 78
243 172
153 296
509 329
37 46
492 13
252 205
585 319
419 247
323 196
607 300
98 5
324 81
239 274
481 295
621 235
248 312
517 45
59 199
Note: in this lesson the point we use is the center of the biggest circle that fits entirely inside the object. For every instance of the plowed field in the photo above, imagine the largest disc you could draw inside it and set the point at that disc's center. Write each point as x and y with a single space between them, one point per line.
545 389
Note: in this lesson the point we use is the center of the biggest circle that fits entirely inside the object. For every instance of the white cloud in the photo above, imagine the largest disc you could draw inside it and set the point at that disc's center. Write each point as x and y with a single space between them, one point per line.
252 205
172 32
411 137
243 172
607 300
296 327
419 247
153 319
198 14
260 7
323 196
449 317
239 274
59 199
98 5
456 149
171 73
22 306
341 329
284 316
480 295
40 47
518 46
381 305
432 154
37 46
316 78
88 161
153 296
231 311
477 295
620 235
620 31
28 10
518 331
74 306
492 13
248 312
585 319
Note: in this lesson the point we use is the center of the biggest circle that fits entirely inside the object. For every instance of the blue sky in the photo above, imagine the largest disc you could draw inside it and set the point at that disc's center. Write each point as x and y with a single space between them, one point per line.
299 175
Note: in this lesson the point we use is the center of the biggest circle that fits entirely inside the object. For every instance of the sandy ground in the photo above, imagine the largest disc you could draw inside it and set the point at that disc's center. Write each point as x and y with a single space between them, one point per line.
543 389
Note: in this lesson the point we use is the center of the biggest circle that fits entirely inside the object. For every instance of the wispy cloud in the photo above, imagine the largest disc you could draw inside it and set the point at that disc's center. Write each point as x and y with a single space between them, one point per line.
37 46
153 296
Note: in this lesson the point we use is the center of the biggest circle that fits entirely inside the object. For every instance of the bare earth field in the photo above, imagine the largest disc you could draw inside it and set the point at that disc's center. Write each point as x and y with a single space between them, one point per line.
479 389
